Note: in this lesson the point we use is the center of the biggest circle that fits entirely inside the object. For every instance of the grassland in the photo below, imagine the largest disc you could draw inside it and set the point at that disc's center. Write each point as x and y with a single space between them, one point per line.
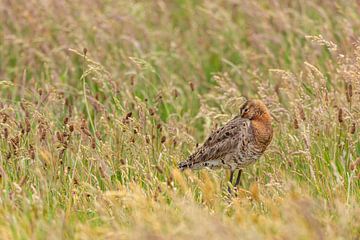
101 99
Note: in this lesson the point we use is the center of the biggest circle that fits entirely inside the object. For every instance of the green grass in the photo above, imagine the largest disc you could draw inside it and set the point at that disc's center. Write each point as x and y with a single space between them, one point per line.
90 143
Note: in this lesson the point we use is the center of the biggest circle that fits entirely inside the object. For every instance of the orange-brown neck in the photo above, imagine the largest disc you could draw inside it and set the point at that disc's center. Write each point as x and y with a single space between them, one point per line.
264 117
262 129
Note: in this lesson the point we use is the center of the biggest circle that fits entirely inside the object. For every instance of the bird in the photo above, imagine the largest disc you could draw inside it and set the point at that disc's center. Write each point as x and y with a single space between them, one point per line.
237 144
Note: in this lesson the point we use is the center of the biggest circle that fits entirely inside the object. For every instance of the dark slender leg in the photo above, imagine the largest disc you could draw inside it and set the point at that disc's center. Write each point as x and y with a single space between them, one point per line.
238 178
230 180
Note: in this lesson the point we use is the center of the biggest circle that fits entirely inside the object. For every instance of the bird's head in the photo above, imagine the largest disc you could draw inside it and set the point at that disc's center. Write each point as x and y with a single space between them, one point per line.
255 110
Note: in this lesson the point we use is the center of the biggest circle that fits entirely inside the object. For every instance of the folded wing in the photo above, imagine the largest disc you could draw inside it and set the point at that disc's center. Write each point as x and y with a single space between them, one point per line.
225 140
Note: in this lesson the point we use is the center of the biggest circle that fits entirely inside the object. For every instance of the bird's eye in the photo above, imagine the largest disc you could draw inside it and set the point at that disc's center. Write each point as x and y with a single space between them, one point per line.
246 110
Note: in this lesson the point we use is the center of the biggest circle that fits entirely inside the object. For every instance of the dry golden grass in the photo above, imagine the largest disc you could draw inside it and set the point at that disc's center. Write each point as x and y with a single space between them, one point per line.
101 99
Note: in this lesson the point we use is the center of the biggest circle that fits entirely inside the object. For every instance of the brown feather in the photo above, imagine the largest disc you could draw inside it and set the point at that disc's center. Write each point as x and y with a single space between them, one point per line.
238 143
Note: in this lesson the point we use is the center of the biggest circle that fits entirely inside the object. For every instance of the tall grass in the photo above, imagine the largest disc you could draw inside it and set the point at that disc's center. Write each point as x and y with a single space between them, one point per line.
101 99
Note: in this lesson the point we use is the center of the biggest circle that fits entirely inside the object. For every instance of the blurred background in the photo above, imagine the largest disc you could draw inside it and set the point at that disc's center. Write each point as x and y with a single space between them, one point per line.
101 99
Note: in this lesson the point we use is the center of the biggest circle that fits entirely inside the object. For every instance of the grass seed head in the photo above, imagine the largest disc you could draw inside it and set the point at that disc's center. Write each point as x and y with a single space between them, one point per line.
192 86
301 113
66 120
349 92
175 93
353 128
6 133
355 164
296 123
340 115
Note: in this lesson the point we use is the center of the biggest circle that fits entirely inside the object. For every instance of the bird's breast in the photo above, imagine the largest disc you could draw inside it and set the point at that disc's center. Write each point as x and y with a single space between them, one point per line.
263 133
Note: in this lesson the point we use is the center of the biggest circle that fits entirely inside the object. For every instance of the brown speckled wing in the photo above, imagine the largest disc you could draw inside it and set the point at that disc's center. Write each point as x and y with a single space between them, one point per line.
223 141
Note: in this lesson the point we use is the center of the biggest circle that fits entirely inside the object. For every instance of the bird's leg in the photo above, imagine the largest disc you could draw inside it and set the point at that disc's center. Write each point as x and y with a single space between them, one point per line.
238 178
230 180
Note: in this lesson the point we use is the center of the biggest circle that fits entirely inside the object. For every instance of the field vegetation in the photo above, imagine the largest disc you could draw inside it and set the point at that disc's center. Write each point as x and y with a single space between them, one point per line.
100 100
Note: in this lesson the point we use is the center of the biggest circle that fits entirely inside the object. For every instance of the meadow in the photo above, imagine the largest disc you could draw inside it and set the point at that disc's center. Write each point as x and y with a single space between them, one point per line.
100 100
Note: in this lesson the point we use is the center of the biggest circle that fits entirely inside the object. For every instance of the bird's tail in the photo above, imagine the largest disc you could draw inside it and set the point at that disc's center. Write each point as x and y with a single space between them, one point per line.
213 164
184 165
190 164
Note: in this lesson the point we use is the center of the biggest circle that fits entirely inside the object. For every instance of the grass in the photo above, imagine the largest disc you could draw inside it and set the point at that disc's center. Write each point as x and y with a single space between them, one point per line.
101 99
